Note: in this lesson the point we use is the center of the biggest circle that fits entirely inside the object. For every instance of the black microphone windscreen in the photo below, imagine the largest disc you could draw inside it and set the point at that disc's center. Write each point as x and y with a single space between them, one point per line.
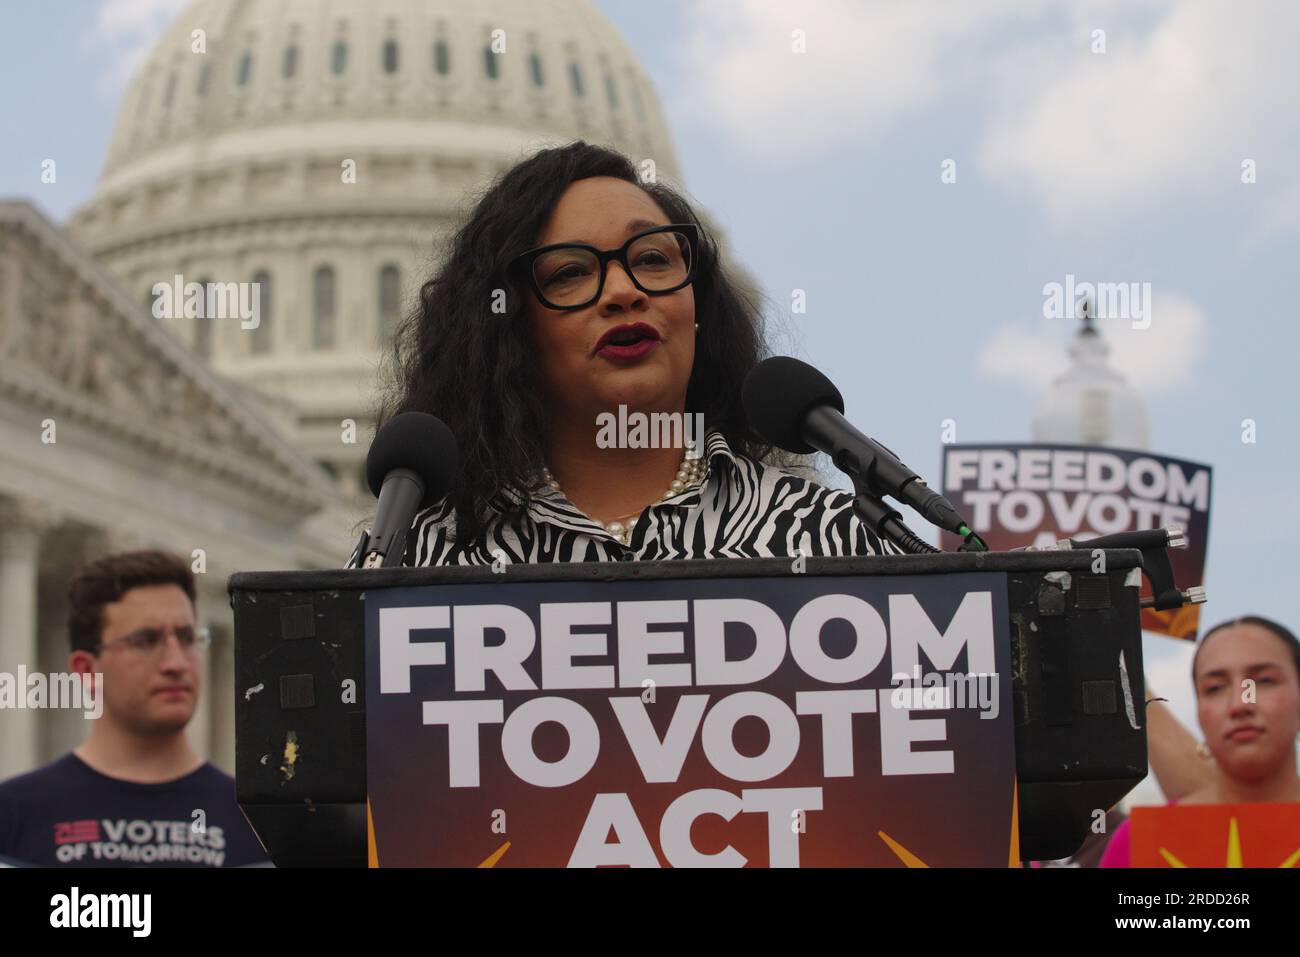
779 393
419 442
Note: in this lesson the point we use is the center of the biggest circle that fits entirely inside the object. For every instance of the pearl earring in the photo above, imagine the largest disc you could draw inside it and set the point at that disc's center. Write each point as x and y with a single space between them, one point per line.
697 327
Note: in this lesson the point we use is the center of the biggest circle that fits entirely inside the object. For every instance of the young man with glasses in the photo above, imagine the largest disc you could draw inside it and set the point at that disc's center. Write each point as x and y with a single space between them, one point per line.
133 793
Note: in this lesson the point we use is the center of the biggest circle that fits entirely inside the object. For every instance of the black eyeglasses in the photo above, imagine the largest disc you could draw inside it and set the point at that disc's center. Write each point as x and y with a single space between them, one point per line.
572 275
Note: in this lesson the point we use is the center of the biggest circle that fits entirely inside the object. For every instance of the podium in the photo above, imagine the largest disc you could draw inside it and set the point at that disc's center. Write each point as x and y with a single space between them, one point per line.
1062 627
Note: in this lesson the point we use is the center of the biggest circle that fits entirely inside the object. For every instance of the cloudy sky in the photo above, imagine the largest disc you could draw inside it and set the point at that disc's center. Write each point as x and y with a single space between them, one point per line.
1115 156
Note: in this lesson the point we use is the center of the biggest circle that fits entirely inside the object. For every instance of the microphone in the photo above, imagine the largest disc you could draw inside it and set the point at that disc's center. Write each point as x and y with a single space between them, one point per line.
411 464
795 407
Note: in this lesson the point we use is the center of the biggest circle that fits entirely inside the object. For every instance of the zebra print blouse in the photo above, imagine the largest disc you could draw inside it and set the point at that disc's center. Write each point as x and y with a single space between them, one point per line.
743 509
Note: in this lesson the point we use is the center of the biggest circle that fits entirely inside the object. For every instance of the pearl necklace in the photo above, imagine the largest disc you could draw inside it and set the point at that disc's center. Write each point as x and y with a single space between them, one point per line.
692 472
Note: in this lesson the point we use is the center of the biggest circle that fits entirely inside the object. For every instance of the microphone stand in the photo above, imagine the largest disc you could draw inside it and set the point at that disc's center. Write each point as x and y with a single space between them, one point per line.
887 522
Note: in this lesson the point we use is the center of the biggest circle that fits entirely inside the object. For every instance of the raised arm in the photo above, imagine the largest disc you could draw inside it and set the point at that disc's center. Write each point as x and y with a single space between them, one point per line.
1171 752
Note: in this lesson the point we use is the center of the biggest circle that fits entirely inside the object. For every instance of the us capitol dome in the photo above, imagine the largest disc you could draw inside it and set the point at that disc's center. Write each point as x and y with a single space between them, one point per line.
233 149
1091 403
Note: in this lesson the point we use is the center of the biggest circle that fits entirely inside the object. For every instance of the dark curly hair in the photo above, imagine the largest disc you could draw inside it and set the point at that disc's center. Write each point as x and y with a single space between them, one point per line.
454 357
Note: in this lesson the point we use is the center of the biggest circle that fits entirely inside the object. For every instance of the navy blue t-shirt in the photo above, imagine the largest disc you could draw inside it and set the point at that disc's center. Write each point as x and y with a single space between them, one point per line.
67 813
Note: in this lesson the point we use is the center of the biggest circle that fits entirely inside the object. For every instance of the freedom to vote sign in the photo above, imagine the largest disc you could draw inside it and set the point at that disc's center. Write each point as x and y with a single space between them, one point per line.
1019 495
785 721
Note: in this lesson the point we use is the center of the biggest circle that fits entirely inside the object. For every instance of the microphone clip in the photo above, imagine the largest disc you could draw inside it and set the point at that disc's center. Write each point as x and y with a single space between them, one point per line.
886 522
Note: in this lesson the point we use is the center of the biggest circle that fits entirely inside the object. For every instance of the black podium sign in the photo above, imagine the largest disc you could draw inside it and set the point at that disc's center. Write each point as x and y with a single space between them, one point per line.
707 693
805 720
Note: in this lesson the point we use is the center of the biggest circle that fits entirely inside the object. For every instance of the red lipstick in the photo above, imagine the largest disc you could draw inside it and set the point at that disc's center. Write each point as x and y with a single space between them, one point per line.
628 342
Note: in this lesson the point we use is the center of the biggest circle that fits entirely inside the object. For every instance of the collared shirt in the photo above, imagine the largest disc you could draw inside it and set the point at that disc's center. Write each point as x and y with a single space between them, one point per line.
743 509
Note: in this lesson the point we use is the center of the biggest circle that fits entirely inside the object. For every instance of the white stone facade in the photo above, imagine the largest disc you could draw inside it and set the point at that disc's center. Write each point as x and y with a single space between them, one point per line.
112 436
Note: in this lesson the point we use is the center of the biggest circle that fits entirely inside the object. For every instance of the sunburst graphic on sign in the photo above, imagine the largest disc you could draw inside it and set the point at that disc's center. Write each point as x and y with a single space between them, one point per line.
1233 856
1217 835
491 859
372 851
1013 850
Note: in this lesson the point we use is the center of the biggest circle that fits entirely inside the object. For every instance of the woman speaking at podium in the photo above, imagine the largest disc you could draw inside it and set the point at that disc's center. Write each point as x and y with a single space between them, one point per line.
575 295
573 302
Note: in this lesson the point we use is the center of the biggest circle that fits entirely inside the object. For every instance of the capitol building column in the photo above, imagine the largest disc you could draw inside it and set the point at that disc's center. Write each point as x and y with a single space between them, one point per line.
22 524
221 698
214 710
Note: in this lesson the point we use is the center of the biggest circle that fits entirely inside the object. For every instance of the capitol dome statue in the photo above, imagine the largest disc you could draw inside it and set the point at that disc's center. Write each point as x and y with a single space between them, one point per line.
321 148
1091 403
